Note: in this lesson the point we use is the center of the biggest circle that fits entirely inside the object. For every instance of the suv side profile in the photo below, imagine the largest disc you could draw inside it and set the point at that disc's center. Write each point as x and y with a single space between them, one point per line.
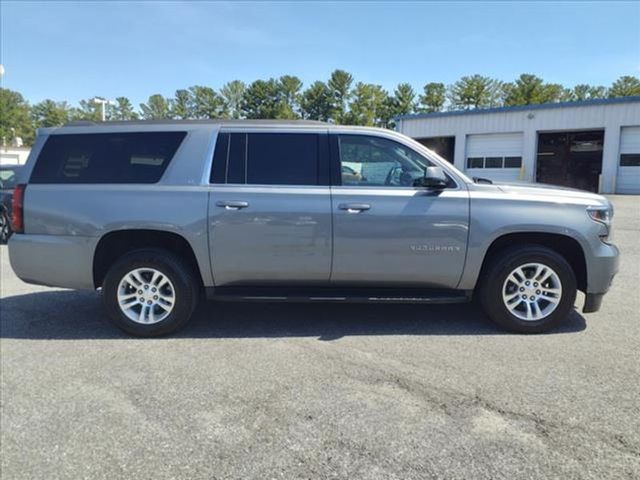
160 214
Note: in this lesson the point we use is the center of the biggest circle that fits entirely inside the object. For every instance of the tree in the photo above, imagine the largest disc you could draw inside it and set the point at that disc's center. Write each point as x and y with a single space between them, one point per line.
181 104
587 92
369 105
340 85
15 120
50 114
475 91
231 94
289 87
123 110
316 102
526 90
404 100
625 86
156 108
205 102
262 99
433 98
90 111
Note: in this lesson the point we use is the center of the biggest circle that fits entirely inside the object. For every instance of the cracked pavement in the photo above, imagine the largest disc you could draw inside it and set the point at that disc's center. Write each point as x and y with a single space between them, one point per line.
321 391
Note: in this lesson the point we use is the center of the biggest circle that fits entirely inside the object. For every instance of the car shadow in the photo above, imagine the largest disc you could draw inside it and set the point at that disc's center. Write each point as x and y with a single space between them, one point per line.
68 315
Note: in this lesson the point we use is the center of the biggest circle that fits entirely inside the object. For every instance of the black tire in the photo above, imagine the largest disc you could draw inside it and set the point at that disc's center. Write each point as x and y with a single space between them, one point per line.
5 227
179 273
502 264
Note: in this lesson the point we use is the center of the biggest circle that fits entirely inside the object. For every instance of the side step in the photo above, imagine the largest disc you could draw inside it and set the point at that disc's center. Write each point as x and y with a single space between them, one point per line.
337 295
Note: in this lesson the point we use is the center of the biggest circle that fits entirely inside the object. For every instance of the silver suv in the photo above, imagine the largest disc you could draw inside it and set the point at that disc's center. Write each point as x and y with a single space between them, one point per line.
159 214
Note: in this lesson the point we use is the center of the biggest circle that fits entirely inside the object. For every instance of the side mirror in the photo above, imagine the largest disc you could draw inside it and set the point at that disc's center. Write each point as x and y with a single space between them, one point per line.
434 177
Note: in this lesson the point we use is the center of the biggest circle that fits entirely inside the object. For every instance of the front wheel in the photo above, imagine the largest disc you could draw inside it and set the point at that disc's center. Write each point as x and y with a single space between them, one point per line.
528 289
150 292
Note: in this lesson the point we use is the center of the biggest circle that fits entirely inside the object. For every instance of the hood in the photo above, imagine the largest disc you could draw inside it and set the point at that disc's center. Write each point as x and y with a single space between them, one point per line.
551 192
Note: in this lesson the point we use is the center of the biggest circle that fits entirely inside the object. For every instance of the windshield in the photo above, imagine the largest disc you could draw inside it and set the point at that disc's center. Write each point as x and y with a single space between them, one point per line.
8 178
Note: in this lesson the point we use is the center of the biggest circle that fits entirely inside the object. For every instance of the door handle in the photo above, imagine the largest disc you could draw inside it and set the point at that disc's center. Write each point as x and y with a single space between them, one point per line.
354 207
231 204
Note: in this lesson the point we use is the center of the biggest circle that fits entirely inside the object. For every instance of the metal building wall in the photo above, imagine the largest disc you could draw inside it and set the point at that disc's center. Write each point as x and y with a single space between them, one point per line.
531 120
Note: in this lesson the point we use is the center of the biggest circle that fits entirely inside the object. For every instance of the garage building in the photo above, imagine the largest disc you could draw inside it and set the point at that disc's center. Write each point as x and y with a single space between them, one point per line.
592 145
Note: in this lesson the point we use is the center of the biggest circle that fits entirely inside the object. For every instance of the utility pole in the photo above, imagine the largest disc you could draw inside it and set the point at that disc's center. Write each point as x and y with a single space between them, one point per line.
104 102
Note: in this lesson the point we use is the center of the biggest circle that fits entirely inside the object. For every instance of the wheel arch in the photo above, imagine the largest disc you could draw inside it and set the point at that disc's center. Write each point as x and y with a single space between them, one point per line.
568 247
114 244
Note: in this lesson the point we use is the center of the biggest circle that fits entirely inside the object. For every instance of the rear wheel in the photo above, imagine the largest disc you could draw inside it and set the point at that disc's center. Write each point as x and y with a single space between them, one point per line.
150 292
528 289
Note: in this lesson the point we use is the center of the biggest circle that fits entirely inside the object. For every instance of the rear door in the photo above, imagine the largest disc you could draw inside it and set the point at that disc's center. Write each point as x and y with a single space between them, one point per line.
386 231
270 208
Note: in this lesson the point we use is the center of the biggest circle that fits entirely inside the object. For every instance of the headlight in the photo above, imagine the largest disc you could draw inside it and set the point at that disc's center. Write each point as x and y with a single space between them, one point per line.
602 215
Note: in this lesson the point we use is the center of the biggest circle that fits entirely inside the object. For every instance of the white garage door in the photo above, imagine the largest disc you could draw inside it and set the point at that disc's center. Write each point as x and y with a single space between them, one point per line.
628 180
497 156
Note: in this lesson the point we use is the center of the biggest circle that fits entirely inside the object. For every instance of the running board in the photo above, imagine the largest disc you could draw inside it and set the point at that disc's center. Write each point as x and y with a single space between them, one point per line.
338 295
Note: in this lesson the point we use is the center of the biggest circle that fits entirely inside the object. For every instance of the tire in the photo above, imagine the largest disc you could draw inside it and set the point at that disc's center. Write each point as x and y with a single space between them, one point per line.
155 305
502 290
5 227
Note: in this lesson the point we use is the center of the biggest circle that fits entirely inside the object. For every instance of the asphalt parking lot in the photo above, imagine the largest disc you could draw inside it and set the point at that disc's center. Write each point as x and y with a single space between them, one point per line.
322 391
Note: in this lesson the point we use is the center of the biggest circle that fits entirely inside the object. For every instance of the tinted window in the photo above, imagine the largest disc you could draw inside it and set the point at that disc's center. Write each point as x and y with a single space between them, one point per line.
512 162
282 159
237 158
630 160
475 162
493 162
106 157
219 166
375 161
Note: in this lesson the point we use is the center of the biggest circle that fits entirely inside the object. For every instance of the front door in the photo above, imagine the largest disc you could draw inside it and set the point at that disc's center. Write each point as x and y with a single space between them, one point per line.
270 211
388 232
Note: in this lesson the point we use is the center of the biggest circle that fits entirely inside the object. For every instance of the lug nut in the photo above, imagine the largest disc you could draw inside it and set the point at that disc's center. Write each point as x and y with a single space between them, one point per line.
521 289
538 292
149 302
532 298
154 289
139 292
146 287
142 299
155 297
535 284
527 283
524 296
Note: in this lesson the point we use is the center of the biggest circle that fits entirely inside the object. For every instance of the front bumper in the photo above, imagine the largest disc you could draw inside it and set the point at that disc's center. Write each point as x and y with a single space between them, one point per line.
601 270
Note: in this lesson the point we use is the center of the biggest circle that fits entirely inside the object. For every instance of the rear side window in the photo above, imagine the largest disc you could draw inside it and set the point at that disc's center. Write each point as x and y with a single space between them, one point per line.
282 159
269 159
140 157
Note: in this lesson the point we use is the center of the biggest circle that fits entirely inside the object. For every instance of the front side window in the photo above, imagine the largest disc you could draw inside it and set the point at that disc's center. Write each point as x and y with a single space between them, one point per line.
374 161
140 157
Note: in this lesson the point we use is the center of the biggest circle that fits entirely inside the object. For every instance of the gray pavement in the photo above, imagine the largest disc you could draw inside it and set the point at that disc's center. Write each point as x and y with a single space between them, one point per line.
321 391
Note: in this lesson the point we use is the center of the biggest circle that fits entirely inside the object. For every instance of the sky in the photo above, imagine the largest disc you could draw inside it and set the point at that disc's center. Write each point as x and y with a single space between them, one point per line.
77 50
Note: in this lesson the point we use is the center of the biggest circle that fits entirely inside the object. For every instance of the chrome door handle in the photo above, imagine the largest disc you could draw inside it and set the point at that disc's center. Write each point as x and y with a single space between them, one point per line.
231 204
354 207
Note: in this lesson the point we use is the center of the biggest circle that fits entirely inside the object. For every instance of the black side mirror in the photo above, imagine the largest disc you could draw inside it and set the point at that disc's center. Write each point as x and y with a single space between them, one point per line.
434 177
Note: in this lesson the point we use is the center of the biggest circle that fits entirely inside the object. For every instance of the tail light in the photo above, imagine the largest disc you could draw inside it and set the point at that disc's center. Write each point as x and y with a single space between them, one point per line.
17 213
